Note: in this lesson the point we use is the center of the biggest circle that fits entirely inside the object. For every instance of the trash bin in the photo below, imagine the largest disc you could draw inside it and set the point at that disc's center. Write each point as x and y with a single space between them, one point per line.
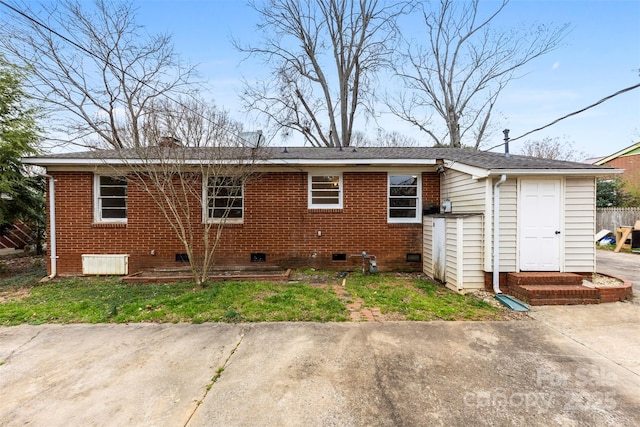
635 241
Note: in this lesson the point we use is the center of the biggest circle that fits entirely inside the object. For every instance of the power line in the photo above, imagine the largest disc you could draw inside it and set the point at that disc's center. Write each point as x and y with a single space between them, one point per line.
77 45
243 141
606 98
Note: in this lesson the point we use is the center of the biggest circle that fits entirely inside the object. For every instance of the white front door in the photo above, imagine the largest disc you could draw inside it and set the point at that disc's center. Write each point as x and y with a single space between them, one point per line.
540 233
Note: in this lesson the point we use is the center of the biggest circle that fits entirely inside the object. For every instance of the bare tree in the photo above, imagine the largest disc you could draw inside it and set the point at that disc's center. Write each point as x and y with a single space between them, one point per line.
552 148
95 65
454 79
383 138
324 56
193 166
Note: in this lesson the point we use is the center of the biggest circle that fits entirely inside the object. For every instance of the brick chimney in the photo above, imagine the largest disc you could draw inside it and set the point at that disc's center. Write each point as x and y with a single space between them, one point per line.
169 142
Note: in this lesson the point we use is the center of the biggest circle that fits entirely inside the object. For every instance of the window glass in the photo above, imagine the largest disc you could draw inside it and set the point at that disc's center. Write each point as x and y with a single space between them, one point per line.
224 198
404 198
325 191
111 199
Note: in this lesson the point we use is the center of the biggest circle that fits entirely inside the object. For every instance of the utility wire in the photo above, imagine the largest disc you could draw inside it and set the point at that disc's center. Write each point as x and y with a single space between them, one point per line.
569 115
243 140
77 45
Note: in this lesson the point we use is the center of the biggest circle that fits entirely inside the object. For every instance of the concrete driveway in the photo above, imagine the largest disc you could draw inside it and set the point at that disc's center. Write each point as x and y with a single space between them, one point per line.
526 372
568 365
623 265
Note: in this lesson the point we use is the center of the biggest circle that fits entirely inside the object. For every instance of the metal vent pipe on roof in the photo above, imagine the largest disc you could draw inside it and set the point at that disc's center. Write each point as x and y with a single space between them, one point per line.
506 142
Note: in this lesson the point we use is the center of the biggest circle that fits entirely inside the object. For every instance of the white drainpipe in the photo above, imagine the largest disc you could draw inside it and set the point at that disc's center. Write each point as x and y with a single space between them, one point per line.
52 226
496 234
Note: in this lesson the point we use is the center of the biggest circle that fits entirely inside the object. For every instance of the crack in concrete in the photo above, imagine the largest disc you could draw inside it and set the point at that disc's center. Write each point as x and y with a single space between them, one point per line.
387 400
215 378
6 359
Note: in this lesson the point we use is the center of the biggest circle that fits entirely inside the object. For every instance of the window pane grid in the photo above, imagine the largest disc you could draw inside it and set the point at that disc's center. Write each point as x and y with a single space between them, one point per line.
112 198
325 191
224 198
403 197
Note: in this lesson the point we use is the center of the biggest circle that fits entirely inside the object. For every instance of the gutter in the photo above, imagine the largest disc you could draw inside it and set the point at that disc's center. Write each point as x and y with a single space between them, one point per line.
496 234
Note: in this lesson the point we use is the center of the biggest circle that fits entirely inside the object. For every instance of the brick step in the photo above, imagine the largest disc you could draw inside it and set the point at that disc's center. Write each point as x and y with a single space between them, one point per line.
556 294
558 289
544 278
564 301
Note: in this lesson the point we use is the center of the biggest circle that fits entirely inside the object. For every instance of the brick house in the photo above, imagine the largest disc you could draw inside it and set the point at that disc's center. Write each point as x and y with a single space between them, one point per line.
628 159
316 207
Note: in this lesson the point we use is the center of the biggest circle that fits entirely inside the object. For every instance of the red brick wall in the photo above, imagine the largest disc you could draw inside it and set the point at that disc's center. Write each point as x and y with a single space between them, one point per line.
631 165
277 222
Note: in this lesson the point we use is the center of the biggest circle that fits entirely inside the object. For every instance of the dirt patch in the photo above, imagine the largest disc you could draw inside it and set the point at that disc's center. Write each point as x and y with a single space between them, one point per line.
17 271
19 263
8 295
489 298
358 312
313 276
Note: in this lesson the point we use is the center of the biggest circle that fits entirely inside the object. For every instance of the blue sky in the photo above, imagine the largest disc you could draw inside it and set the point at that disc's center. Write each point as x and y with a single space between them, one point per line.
600 56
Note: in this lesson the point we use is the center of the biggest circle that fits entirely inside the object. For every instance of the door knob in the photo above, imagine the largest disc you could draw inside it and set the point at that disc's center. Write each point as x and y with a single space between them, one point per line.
557 231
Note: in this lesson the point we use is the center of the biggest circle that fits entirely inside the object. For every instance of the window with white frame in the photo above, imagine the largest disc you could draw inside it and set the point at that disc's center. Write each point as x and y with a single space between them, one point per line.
224 199
404 198
110 198
325 191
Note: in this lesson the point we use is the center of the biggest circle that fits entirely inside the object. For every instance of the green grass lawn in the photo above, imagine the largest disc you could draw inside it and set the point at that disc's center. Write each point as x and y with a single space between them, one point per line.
418 299
612 248
102 300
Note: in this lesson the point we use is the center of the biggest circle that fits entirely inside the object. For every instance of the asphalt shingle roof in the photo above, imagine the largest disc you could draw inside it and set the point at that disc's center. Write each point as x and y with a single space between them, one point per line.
481 159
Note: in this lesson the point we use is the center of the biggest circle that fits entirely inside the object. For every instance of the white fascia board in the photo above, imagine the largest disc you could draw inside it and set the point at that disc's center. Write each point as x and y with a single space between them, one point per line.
549 172
479 173
44 161
350 162
474 171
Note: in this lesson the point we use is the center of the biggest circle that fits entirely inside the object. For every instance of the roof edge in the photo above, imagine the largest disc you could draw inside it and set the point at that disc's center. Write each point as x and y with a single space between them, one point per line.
542 172
44 161
617 154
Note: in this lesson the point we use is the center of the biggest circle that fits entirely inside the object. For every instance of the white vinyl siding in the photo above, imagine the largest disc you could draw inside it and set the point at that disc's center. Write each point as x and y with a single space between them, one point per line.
452 254
579 224
467 195
427 249
464 251
110 198
508 225
473 253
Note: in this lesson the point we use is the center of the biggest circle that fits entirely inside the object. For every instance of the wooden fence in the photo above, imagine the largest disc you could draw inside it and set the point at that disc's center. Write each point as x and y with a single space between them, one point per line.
611 218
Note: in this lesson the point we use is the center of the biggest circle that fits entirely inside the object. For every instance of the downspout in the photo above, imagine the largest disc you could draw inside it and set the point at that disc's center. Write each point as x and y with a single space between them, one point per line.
52 226
496 234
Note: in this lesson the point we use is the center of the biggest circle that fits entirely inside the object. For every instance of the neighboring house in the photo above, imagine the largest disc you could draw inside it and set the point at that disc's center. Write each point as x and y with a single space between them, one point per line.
17 237
384 201
628 159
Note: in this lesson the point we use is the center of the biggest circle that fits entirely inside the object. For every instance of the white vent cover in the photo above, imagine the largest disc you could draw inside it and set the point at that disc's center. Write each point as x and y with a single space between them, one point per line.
112 264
